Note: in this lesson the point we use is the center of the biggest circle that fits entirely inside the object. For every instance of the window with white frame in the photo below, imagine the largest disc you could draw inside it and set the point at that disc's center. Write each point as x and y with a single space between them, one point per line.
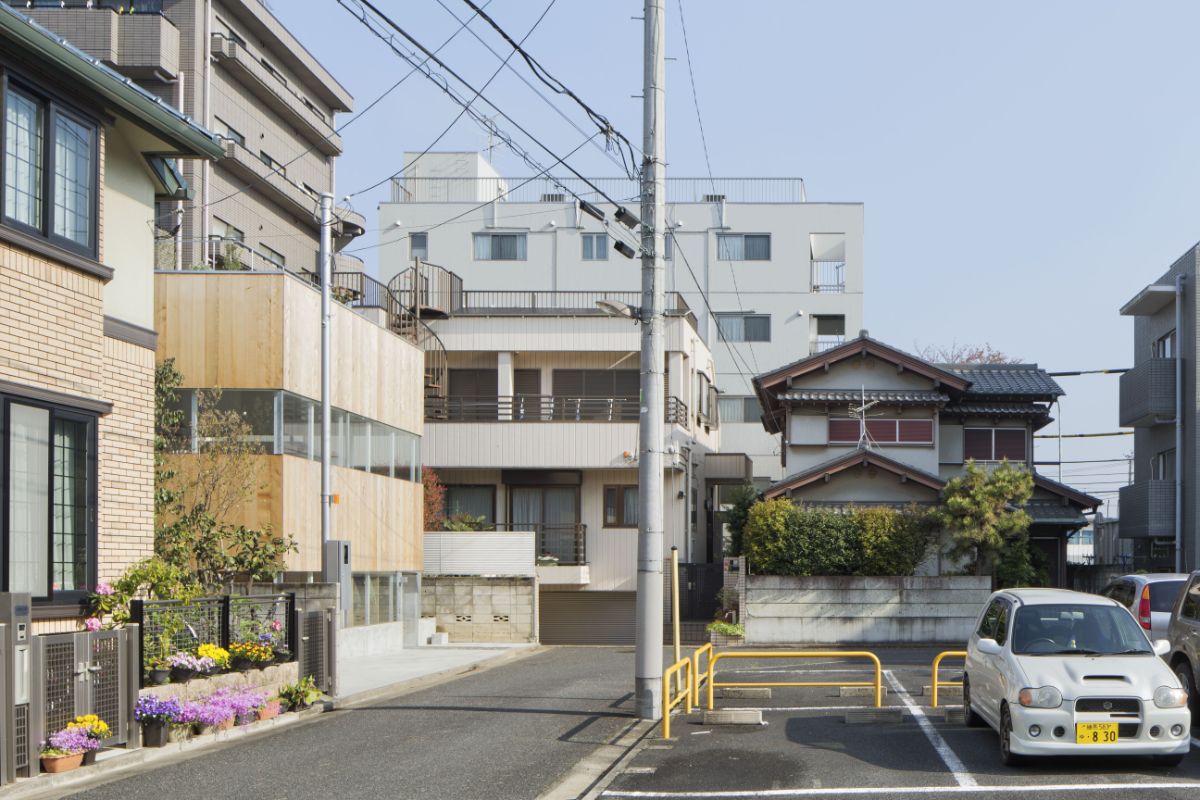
745 327
744 246
418 245
274 256
595 246
499 247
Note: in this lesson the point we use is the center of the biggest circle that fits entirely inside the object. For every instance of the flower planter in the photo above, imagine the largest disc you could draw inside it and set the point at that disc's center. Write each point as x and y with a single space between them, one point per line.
723 640
179 733
247 718
158 677
155 733
54 764
240 664
269 711
282 656
182 674
89 757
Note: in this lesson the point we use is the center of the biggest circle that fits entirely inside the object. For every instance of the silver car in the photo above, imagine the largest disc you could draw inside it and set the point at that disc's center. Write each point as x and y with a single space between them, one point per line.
1150 598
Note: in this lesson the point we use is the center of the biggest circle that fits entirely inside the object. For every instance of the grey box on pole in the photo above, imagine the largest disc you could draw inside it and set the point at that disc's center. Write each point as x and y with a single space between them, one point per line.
336 569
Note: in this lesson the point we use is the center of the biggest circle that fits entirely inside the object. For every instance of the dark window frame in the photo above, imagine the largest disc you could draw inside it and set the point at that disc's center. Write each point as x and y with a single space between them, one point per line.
61 601
619 491
54 106
992 450
491 487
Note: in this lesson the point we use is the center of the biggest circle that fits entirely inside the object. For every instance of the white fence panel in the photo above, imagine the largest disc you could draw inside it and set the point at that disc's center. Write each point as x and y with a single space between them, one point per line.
479 553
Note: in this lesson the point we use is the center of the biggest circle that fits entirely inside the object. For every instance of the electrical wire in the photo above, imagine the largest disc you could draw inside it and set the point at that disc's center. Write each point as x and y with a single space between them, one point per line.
695 96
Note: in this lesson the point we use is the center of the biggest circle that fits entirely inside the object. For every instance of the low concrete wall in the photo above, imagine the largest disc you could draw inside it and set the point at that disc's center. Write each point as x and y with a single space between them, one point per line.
370 640
268 680
472 609
827 610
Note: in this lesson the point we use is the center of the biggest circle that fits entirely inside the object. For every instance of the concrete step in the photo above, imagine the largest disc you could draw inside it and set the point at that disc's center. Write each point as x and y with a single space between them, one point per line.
866 716
733 716
743 693
860 691
943 691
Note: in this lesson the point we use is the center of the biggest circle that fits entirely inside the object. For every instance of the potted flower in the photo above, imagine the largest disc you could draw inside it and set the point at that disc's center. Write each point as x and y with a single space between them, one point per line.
247 655
270 709
213 714
723 634
64 750
301 694
96 730
156 715
159 672
185 666
273 639
219 656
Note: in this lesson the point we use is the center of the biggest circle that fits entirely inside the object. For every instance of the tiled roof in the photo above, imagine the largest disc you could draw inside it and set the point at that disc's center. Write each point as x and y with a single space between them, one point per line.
914 396
996 409
1007 380
1052 512
1071 493
860 455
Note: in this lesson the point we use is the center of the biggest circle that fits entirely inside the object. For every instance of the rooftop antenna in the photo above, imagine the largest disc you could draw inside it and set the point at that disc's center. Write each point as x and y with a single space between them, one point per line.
859 413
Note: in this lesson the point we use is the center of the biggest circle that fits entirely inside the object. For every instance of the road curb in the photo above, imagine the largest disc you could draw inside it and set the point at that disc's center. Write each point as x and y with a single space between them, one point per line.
592 775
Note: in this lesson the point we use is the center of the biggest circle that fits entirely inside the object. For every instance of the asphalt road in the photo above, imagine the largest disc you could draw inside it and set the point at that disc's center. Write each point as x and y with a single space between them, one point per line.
507 732
808 749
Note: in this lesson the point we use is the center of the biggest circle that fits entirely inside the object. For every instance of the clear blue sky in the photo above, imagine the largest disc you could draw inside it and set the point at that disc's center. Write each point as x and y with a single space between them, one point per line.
1025 166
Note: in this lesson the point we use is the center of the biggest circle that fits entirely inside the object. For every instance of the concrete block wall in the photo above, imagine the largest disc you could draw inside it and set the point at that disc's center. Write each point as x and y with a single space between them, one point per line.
477 609
862 610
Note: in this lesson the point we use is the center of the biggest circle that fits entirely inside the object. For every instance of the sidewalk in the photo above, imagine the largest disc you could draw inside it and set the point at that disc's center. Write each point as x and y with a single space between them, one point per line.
372 676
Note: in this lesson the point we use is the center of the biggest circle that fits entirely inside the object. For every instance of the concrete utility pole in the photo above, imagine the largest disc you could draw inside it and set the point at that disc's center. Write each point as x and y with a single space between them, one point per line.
649 667
326 265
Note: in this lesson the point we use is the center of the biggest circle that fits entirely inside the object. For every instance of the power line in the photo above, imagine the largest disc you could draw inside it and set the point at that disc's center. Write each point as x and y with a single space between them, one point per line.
1081 435
695 96
1082 461
1119 371
542 74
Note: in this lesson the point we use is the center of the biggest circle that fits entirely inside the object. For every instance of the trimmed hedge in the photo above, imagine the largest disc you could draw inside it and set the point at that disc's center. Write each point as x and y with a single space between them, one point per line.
781 538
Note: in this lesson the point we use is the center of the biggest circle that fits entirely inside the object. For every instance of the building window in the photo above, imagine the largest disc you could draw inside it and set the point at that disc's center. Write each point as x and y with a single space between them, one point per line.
831 332
418 245
269 67
472 501
274 256
227 132
275 166
1164 346
223 230
740 409
744 246
66 214
882 431
49 500
499 247
620 506
995 444
745 327
595 246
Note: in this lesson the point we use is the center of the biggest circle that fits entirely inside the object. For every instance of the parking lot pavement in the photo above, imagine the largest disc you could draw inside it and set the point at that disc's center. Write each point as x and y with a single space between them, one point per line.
810 748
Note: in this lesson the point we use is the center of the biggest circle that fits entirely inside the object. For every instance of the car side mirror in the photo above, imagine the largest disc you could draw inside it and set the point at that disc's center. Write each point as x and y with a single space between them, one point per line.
1161 647
989 647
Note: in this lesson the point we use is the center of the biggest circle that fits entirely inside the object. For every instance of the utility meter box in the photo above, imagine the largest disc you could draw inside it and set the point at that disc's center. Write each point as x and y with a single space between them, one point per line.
16 617
336 569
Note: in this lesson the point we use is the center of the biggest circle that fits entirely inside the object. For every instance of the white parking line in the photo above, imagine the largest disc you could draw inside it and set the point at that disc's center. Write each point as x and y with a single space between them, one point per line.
949 758
822 708
1028 788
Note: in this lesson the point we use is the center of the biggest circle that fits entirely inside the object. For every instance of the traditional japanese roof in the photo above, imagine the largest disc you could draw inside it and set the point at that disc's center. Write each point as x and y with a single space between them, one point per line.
858 457
905 396
1053 512
995 410
1017 381
1062 490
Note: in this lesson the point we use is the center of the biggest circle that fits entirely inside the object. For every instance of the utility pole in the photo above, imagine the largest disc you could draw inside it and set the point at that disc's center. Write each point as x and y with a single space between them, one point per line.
648 668
325 257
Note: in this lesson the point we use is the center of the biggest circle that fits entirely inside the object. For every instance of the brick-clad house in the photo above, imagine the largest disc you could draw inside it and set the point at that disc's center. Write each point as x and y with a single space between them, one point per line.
86 154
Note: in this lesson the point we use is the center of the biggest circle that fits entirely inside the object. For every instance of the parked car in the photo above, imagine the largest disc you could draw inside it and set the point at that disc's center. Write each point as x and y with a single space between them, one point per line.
1150 598
1066 673
1184 634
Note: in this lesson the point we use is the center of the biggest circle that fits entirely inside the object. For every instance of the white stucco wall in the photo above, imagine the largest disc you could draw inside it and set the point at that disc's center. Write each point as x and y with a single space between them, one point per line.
128 238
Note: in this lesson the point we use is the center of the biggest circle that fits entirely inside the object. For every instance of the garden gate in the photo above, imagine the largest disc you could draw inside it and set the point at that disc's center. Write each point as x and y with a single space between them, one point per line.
317 646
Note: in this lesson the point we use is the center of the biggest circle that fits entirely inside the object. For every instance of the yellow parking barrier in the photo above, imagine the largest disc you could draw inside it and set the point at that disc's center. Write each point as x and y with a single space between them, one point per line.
935 683
877 682
685 696
700 676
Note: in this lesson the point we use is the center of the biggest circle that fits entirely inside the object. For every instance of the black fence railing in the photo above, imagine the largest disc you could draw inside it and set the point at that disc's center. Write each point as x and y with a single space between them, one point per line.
546 408
358 290
167 627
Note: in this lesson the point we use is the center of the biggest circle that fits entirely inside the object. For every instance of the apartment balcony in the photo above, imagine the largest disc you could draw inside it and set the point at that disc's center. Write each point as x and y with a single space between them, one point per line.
1148 510
827 342
543 190
144 45
1148 394
248 168
272 90
554 553
547 408
829 277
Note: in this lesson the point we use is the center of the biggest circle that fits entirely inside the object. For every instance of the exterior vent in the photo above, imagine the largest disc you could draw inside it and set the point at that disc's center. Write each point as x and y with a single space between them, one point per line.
713 198
554 198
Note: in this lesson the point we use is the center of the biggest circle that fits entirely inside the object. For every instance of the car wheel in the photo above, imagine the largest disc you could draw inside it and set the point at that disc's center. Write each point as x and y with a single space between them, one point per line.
1167 761
1009 758
1184 672
972 719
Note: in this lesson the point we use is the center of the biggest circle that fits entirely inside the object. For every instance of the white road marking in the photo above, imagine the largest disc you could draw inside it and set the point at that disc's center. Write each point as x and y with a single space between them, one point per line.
824 708
1027 788
948 756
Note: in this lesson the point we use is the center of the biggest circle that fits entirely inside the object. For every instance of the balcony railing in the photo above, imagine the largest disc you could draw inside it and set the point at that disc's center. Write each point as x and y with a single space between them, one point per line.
829 277
546 408
827 342
1148 510
566 542
123 6
623 190
1148 393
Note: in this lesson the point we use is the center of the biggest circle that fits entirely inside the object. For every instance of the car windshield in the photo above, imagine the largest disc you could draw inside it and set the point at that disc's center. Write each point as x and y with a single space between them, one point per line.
1077 630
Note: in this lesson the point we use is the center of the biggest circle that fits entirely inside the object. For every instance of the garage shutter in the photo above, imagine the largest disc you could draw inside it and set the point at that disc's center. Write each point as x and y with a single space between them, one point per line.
587 617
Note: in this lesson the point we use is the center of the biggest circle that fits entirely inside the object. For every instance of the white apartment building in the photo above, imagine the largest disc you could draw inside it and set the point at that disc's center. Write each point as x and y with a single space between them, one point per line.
537 430
782 276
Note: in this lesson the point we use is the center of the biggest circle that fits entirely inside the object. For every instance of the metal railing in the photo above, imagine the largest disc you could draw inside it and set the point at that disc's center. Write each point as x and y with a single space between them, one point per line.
214 253
122 6
357 290
427 289
546 408
686 695
565 542
876 683
623 190
935 684
829 277
574 301
827 342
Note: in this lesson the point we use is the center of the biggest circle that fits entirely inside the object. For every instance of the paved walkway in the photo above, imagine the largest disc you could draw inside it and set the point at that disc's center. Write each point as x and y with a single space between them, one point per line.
363 676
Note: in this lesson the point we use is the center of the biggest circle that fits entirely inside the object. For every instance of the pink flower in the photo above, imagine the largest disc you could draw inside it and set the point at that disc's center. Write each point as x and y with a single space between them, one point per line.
276 625
104 589
92 624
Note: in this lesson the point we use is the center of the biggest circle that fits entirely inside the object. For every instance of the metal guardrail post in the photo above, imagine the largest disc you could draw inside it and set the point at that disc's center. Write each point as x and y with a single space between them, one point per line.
935 683
699 677
137 621
685 696
133 683
226 621
877 683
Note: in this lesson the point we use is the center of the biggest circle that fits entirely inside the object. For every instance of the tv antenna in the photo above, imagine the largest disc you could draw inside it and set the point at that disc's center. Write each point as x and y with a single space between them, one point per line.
860 413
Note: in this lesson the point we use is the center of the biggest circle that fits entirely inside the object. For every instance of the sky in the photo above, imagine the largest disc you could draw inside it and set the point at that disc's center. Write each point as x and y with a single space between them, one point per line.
1026 167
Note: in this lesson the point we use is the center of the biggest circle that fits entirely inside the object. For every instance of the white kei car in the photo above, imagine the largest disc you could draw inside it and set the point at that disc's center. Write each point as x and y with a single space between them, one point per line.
1064 673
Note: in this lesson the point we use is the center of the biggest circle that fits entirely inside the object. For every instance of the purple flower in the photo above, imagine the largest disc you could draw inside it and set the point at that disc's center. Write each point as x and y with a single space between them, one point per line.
151 708
92 624
72 740
104 589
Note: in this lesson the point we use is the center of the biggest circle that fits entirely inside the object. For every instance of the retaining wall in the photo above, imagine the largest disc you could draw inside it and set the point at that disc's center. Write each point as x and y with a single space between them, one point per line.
829 610
477 609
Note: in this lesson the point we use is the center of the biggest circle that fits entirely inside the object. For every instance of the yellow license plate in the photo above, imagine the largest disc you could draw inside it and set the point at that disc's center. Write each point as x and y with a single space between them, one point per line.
1095 733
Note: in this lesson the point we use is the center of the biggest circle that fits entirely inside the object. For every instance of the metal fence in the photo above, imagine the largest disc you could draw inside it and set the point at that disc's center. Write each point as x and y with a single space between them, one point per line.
623 190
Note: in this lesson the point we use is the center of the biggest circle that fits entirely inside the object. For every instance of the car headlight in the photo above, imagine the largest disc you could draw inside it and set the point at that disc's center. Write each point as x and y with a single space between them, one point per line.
1167 697
1044 697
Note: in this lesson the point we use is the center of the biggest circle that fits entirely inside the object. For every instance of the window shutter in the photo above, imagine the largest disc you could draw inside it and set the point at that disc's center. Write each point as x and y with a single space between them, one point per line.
977 444
568 383
1010 444
527 382
882 430
916 431
843 430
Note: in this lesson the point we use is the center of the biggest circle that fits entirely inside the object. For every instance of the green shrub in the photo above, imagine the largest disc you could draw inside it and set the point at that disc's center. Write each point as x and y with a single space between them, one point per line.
784 539
726 628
